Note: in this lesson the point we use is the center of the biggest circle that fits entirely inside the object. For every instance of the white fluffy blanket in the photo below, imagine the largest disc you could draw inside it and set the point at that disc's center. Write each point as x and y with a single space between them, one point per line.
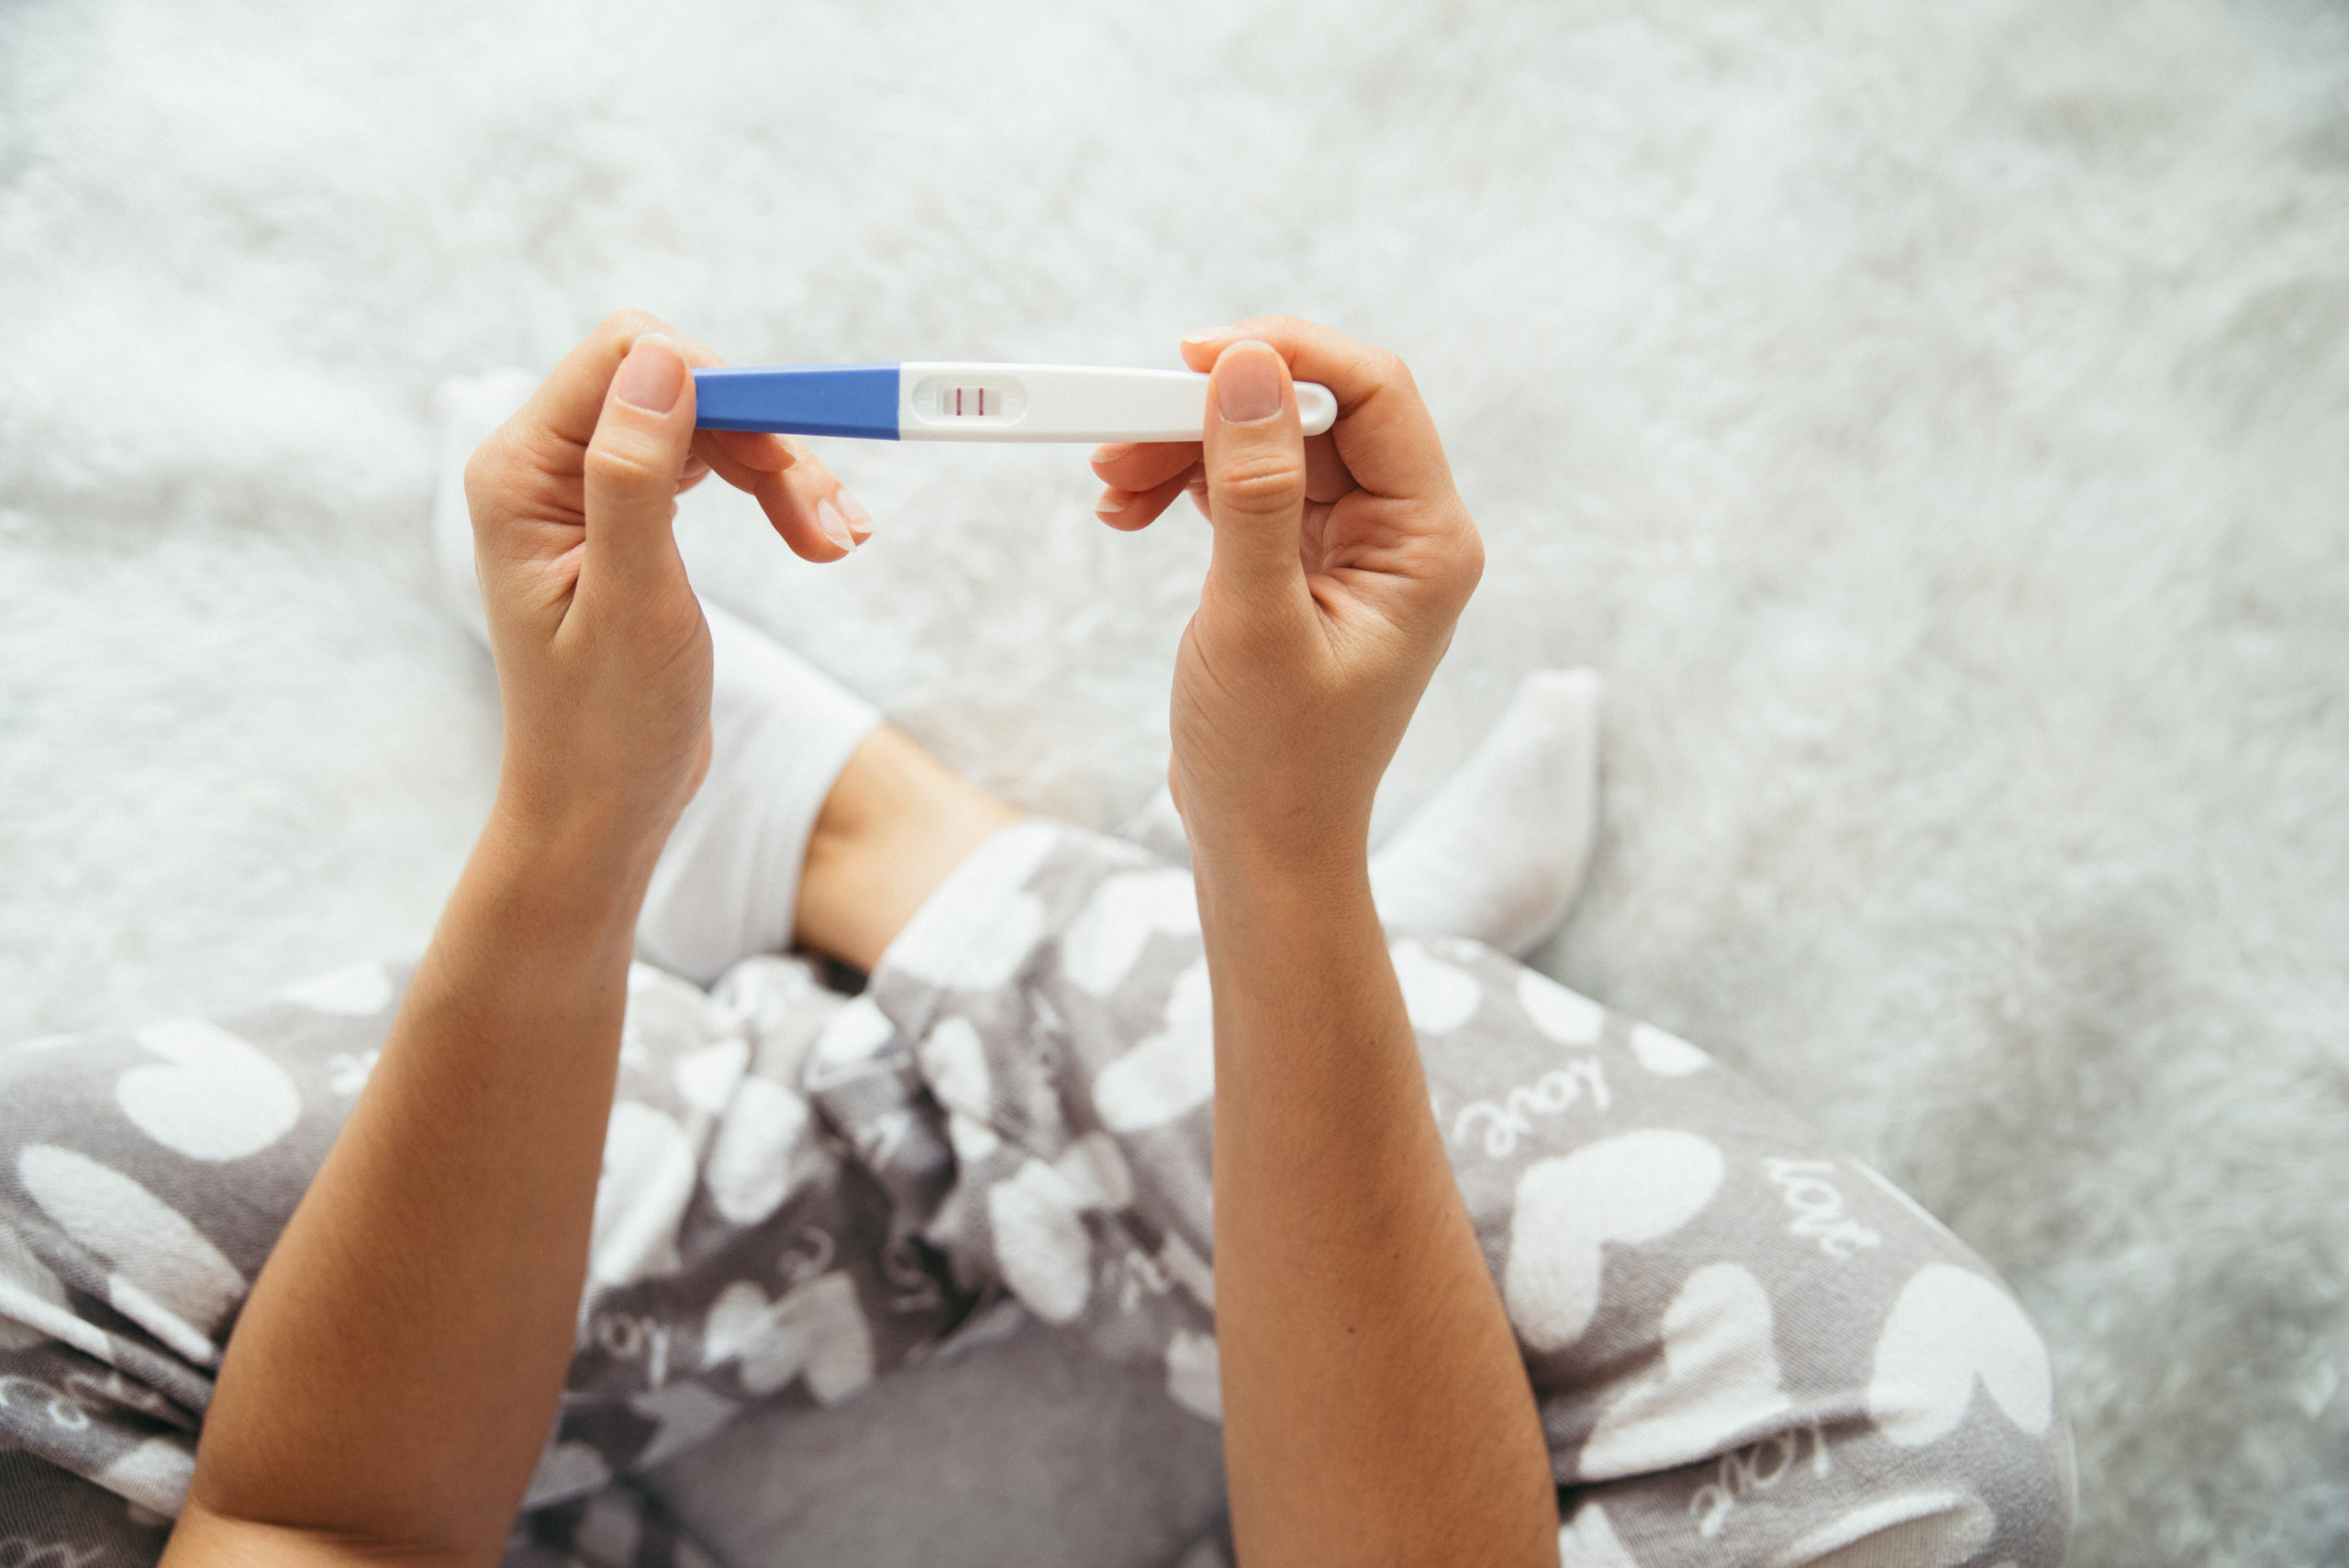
1933 421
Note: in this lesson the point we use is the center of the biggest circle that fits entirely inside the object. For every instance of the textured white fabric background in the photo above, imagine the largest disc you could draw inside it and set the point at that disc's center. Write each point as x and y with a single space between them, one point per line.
1935 421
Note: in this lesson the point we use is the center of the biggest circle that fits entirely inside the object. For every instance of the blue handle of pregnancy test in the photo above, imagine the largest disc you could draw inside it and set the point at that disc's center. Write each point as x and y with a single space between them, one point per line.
805 400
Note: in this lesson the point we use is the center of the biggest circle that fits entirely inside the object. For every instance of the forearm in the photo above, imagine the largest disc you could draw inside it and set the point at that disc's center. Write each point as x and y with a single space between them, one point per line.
393 1375
1376 1407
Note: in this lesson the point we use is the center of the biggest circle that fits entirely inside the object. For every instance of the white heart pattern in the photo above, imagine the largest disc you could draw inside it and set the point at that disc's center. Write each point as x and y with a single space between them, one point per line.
705 1078
762 1154
219 1099
954 1060
1194 1374
816 1329
1096 1169
359 991
998 948
970 1139
640 1202
1665 1054
1567 1017
565 1470
154 1474
1950 1329
168 1278
1588 1540
857 1033
1635 1187
1040 1240
1119 919
1716 1388
1439 996
1168 1074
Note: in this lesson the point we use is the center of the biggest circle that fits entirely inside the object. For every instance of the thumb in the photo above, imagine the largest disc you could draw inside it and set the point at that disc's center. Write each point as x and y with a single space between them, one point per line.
1254 459
634 461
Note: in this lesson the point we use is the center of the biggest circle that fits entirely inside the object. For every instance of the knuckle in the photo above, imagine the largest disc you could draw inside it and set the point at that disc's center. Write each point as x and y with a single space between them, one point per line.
624 466
1259 481
481 469
1471 565
1470 550
490 472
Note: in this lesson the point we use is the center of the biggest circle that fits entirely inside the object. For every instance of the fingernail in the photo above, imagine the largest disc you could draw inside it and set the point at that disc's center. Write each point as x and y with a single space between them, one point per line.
1112 452
1208 337
1109 504
1248 384
853 510
651 375
694 468
834 526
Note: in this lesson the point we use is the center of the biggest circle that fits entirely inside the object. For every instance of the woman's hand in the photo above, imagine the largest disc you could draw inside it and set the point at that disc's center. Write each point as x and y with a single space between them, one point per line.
396 1370
1376 1409
602 655
1340 564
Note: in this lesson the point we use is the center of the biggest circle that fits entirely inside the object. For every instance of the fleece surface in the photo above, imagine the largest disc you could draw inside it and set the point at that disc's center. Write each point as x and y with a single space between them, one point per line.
1932 420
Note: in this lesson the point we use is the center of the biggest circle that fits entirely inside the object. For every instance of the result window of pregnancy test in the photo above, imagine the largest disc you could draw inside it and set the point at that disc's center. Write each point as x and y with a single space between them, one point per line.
967 401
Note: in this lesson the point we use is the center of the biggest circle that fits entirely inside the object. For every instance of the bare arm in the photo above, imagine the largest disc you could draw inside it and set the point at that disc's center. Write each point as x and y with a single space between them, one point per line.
1376 1409
393 1378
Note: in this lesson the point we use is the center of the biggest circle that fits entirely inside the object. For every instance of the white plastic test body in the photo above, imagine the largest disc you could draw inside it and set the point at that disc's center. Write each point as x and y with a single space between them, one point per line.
940 400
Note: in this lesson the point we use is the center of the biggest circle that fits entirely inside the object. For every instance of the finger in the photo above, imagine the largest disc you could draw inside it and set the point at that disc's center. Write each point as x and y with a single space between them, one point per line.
1143 465
570 403
758 449
813 512
567 405
1384 434
1128 510
636 455
1326 477
1255 475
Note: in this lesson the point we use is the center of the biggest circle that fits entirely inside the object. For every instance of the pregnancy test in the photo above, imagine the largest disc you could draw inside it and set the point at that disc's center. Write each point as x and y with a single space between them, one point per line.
942 401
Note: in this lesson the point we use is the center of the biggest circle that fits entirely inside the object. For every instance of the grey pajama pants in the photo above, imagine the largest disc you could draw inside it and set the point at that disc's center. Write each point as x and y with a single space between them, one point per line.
1747 1349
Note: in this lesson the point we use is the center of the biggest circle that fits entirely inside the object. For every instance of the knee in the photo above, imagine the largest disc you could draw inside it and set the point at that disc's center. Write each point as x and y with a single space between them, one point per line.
1975 1456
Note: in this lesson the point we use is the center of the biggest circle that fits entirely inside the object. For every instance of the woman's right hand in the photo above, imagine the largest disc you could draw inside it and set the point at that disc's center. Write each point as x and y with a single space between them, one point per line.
603 658
1340 564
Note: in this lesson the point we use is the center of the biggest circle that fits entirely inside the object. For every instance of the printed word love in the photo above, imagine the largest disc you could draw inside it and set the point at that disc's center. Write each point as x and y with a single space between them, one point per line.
627 1337
1550 1095
1818 1207
1756 1468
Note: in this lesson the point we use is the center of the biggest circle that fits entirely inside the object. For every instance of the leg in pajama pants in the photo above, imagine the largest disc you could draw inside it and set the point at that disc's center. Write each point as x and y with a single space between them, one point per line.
1746 1348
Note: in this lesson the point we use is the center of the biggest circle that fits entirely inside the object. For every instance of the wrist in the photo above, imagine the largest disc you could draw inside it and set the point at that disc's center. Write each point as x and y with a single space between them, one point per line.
1267 841
1255 883
587 866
